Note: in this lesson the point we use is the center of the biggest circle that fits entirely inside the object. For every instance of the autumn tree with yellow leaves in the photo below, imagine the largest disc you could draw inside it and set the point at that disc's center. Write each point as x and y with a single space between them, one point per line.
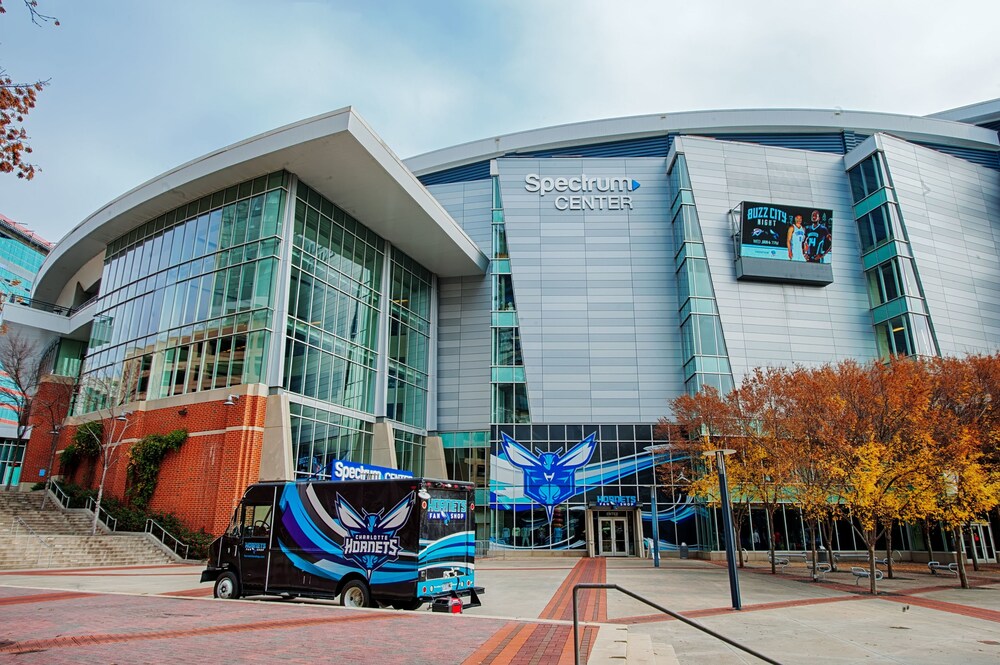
880 443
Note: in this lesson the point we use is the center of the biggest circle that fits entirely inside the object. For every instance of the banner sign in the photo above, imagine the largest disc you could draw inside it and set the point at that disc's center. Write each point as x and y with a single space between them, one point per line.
786 233
342 470
616 501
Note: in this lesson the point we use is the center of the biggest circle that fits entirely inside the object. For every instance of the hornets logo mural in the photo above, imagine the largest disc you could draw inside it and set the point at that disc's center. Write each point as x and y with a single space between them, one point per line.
549 478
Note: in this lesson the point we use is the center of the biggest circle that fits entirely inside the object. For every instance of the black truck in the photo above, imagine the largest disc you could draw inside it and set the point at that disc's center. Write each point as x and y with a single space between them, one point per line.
400 542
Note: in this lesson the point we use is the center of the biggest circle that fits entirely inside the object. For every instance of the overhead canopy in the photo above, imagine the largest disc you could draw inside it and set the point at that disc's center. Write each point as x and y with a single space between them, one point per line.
336 154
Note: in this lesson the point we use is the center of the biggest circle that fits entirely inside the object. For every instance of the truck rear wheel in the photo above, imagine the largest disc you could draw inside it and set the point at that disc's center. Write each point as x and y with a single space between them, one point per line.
227 586
356 594
407 604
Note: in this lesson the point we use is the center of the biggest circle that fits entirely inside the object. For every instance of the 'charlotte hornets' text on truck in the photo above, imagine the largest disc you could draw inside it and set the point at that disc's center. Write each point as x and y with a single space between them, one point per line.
400 542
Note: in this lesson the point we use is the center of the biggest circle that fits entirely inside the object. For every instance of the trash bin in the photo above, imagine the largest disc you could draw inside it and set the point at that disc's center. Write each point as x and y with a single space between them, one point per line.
684 550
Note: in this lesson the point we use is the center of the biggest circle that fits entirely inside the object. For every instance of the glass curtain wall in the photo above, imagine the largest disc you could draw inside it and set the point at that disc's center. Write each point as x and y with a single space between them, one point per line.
334 298
333 305
510 389
706 361
187 298
902 324
409 341
320 437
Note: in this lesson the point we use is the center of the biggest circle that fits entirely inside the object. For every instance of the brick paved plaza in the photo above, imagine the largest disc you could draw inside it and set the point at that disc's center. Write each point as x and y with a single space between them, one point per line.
162 614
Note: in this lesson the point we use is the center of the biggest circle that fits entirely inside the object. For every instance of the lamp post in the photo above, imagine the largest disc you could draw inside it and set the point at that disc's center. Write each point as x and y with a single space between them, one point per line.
727 524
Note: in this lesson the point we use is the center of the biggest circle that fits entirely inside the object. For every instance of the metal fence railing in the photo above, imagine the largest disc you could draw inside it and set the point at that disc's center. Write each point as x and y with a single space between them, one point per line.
170 541
103 516
20 524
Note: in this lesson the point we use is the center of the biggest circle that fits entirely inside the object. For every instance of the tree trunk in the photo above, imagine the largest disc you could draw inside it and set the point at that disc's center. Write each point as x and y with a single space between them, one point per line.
927 540
956 534
871 535
770 539
973 554
813 526
828 530
738 518
888 550
100 495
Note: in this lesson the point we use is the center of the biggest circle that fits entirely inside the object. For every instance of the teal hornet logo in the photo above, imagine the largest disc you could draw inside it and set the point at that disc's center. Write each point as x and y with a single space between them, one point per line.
584 192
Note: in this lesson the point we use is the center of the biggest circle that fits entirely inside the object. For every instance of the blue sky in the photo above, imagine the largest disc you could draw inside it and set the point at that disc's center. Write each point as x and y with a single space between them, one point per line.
141 86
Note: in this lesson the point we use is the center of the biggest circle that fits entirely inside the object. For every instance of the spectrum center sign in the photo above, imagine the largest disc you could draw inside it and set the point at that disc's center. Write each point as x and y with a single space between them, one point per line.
584 192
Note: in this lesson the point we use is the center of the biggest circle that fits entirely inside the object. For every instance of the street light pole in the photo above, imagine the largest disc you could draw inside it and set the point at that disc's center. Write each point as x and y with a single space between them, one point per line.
727 525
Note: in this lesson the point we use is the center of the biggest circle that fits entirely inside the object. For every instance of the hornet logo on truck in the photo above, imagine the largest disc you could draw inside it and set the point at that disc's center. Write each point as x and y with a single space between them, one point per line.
371 539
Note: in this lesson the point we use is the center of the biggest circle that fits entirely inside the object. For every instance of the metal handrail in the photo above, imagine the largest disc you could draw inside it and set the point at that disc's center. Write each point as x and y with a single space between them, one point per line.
112 524
60 495
76 308
21 522
150 523
679 617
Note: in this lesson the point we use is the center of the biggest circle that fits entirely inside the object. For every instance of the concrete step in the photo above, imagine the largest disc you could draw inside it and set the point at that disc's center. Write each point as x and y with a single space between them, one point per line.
610 647
61 551
664 654
639 649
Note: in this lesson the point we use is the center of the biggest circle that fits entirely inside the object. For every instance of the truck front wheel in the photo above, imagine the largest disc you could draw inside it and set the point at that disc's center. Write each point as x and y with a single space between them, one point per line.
227 586
356 594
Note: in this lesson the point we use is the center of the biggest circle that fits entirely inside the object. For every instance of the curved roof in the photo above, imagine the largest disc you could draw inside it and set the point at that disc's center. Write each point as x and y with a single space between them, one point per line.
914 128
336 153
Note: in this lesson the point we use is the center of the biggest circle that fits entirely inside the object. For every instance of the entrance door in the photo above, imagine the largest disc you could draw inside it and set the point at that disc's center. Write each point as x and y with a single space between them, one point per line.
979 537
614 540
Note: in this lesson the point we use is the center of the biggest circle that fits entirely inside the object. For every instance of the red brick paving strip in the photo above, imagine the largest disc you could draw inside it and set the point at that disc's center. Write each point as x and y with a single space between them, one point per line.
952 608
43 597
189 593
530 644
86 640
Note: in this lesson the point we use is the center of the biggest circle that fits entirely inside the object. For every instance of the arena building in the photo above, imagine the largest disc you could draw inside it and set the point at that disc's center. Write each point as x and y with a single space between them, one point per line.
517 311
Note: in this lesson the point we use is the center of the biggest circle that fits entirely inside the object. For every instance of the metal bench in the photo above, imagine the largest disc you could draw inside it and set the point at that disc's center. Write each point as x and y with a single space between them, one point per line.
821 569
863 573
935 566
782 558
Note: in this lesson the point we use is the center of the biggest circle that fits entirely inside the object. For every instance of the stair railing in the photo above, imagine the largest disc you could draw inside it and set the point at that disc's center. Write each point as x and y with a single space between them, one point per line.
106 518
153 528
679 617
59 495
19 524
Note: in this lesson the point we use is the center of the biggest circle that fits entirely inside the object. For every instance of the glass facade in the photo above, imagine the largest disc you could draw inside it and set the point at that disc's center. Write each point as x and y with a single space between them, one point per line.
899 312
509 397
187 298
703 347
409 341
333 305
320 437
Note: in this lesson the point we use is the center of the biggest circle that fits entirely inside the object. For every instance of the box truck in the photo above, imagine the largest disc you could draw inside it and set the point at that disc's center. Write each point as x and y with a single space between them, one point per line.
397 542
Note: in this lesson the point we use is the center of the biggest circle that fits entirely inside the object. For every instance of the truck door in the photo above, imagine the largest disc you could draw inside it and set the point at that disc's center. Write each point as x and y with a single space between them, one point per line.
255 527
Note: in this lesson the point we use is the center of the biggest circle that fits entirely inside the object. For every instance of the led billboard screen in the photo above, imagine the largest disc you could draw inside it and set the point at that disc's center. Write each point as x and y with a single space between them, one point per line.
786 233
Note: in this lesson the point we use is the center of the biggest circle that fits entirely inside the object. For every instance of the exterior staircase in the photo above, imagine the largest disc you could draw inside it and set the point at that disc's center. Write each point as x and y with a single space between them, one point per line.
55 538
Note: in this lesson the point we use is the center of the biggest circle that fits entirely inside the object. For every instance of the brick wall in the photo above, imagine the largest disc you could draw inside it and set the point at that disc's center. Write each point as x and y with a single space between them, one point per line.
201 482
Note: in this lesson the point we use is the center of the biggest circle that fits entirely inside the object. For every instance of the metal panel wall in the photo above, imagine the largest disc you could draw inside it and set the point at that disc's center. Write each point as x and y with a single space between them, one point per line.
951 210
464 317
596 294
768 324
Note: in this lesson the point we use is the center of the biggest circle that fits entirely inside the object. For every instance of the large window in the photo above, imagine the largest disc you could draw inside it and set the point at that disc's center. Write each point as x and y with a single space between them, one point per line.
320 437
878 227
892 279
409 341
333 305
866 177
187 298
905 335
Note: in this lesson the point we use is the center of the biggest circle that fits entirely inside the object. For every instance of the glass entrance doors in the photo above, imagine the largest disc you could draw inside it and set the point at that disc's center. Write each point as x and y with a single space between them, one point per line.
979 538
613 537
